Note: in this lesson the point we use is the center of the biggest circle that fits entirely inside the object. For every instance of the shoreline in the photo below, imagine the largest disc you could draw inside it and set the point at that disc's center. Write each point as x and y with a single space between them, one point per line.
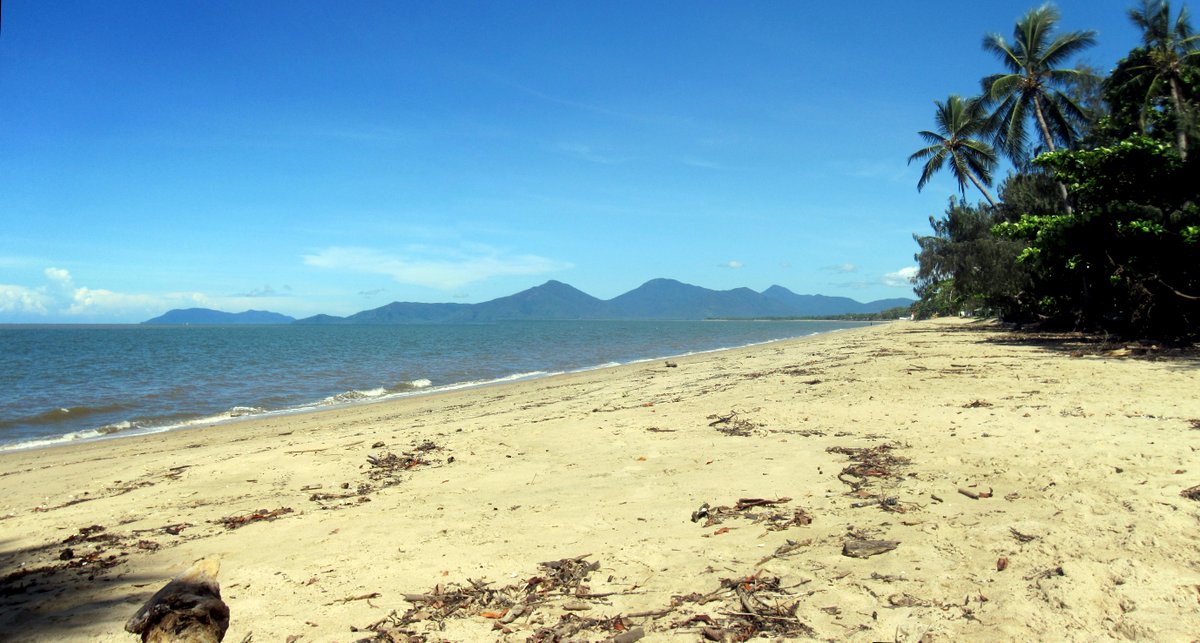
343 399
1076 462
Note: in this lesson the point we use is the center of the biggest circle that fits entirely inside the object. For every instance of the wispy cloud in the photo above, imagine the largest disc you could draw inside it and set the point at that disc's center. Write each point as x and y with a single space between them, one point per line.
878 170
265 291
589 153
733 265
692 161
60 297
841 268
441 268
902 278
370 293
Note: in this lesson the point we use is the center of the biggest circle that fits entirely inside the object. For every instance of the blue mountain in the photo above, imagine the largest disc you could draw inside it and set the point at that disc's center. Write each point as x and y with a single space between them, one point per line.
209 316
655 299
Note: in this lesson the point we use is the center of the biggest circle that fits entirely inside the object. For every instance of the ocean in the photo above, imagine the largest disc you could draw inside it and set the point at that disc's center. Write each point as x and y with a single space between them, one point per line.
66 383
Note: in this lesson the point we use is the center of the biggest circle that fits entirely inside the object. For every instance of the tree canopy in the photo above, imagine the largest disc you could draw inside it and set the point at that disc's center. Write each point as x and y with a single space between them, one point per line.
953 143
1123 254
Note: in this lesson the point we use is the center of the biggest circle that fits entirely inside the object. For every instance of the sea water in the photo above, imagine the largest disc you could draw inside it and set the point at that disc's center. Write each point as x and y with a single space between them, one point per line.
65 383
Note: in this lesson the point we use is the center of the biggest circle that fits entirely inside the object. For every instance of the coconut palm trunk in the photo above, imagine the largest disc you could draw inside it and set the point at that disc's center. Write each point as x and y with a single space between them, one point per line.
1041 119
986 195
1180 121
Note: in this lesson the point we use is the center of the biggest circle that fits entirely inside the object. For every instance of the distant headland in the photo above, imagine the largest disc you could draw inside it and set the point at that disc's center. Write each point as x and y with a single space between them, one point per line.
657 299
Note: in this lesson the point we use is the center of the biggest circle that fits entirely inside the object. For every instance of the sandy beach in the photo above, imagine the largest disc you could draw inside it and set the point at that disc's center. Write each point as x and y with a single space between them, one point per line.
996 487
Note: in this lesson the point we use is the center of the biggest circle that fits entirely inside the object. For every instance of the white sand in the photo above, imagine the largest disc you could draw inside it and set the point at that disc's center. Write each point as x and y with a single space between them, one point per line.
1085 455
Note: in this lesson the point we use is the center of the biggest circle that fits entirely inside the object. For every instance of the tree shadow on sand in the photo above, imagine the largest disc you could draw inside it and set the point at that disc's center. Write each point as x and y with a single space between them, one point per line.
1076 344
1069 343
59 590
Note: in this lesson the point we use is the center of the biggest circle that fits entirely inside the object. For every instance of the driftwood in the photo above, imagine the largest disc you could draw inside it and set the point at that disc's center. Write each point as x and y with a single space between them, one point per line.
234 522
188 609
975 495
868 548
1024 538
732 424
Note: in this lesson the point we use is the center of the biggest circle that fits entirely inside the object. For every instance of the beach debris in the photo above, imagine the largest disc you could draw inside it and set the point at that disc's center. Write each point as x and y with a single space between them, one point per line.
733 425
1022 538
88 554
556 580
383 470
361 597
670 364
570 625
904 599
785 549
762 609
775 520
1048 573
237 522
1001 563
188 609
173 530
1191 493
386 468
869 463
977 404
865 548
975 495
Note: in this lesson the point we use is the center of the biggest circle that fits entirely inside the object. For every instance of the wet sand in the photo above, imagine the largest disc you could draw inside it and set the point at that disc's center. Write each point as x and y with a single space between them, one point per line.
1028 489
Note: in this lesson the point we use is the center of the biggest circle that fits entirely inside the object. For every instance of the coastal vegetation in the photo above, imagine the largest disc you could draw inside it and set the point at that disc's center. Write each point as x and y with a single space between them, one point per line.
1097 225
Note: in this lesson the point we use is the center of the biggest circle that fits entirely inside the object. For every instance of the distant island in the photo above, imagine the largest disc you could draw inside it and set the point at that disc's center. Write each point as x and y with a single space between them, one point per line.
657 299
209 316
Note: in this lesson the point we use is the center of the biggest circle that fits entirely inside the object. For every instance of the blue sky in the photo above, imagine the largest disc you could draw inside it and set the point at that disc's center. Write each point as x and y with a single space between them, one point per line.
330 157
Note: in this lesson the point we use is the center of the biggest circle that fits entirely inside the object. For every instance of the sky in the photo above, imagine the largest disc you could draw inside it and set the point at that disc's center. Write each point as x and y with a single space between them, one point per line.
331 157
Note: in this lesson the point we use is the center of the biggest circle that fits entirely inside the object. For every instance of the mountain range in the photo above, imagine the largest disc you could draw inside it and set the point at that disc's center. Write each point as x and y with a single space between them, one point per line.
657 299
210 316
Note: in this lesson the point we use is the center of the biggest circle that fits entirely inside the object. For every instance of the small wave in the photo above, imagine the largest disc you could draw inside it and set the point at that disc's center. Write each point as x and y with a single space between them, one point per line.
56 415
115 427
499 380
599 366
413 385
85 434
352 396
242 411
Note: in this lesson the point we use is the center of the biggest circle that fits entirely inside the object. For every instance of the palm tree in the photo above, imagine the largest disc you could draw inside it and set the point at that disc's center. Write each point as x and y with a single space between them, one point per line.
1169 48
1033 86
958 122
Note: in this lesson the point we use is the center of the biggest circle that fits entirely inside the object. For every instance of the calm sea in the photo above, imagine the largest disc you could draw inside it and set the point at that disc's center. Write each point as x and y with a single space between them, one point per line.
63 383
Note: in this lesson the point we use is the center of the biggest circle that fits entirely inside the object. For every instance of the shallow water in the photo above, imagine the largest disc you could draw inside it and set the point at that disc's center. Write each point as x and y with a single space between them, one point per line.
62 383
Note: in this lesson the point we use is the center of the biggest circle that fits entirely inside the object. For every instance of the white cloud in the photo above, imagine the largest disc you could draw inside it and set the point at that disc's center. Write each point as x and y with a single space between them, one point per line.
265 291
733 265
902 278
842 267
445 269
19 299
59 298
88 301
59 276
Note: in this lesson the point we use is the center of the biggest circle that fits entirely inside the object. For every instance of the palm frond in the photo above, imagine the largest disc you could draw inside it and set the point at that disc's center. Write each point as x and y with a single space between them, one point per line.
1066 46
996 44
934 164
